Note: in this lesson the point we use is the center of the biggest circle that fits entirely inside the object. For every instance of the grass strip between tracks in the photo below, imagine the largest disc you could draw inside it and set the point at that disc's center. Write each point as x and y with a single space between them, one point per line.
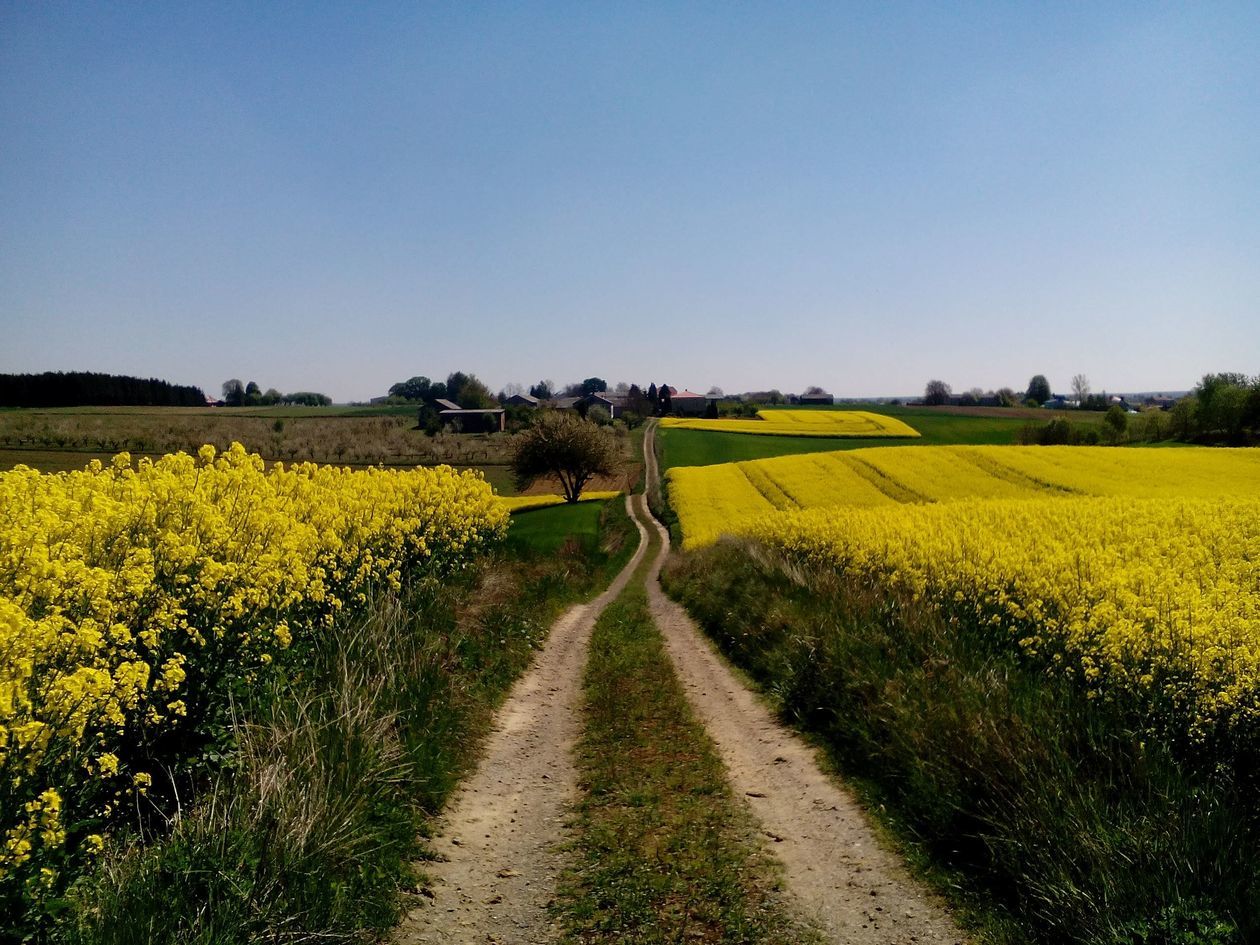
664 852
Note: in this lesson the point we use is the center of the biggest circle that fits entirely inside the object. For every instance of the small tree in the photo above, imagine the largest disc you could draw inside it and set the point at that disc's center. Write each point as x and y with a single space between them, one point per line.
474 395
1080 389
936 393
234 393
1116 422
1039 389
565 446
543 390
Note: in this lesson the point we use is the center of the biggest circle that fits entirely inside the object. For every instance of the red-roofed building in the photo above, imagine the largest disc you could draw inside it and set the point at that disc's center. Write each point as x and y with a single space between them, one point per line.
687 403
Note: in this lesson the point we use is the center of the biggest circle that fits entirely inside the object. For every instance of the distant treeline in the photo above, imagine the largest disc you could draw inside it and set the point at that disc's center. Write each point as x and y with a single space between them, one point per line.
87 389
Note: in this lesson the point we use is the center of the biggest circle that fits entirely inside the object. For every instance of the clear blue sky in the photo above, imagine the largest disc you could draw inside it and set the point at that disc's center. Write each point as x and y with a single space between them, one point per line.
863 196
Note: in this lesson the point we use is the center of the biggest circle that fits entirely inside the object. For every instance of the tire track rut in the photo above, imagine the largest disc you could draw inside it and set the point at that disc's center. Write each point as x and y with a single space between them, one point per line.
852 888
501 834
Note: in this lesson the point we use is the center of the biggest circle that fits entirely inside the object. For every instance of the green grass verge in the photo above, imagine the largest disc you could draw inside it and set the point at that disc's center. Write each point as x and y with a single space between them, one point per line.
546 530
1050 816
664 852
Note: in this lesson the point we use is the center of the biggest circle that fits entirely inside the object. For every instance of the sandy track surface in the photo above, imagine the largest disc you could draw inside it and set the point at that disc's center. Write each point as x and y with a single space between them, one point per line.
853 889
500 836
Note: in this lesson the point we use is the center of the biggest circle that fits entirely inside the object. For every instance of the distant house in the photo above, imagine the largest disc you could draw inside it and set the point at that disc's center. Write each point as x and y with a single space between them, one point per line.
1160 401
615 404
808 399
459 420
687 403
522 400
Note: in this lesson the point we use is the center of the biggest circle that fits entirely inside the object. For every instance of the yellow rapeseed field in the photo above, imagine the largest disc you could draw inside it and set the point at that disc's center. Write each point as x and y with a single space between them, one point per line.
1159 597
843 423
712 500
128 594
1137 570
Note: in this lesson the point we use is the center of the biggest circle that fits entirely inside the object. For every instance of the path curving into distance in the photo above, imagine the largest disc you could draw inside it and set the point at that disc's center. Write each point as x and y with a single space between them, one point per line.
501 833
846 883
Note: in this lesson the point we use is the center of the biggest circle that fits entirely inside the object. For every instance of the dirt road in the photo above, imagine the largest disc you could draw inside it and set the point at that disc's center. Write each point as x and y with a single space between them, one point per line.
502 829
854 890
500 837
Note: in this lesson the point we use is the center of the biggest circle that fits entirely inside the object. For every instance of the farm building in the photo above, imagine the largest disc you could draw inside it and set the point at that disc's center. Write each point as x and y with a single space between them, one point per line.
807 399
459 420
687 403
615 404
522 400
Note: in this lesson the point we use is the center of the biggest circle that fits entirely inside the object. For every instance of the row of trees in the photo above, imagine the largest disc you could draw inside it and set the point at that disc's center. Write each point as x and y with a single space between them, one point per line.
938 393
89 389
237 394
460 388
1222 408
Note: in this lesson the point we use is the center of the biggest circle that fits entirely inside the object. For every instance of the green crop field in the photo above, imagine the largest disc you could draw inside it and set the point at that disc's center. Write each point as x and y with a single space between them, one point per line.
546 530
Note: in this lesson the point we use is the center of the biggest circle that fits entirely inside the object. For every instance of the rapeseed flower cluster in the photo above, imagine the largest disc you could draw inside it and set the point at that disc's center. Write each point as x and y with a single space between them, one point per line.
1155 598
135 599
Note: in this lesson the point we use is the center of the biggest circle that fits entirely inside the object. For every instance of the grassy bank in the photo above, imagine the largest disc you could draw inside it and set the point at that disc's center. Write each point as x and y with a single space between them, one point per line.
311 829
1051 817
664 851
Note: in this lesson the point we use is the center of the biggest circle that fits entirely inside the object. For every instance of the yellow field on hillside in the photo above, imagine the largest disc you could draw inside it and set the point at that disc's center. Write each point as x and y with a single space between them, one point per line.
849 423
1135 571
715 500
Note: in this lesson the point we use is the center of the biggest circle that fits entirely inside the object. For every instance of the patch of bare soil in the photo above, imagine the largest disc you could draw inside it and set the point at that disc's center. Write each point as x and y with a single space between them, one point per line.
500 838
853 889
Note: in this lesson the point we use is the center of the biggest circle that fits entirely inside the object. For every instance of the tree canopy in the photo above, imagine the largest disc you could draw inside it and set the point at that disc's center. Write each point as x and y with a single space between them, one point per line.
1039 389
88 389
936 393
565 446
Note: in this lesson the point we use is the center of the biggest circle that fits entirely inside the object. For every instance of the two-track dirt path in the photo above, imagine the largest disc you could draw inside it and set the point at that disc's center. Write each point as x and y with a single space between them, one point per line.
852 888
501 832
501 835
